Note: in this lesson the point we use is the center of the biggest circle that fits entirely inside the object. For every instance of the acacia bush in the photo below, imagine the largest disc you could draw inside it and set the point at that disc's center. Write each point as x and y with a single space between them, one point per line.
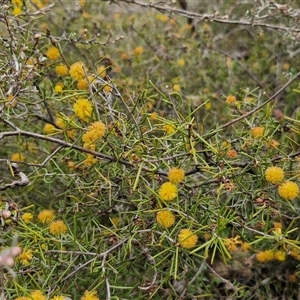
141 160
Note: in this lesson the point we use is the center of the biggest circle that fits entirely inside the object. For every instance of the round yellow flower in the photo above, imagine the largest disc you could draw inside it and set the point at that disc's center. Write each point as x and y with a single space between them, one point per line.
169 129
101 71
25 257
168 191
176 175
138 50
45 216
38 295
95 131
265 256
27 217
165 218
62 70
288 190
16 11
280 255
257 132
17 157
49 129
230 99
58 298
83 109
77 70
90 160
274 174
58 89
53 53
58 227
181 62
90 296
187 239
176 88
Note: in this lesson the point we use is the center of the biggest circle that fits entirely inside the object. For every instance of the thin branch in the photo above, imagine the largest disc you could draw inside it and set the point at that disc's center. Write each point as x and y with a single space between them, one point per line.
209 17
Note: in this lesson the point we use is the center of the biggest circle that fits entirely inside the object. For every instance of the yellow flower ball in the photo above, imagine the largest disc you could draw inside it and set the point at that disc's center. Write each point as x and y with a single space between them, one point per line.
58 227
176 175
138 50
16 11
257 132
37 295
169 129
165 218
62 70
95 131
25 257
89 295
17 157
181 62
288 190
168 191
231 99
187 239
280 255
58 89
46 215
49 128
83 109
53 53
274 174
265 256
77 70
27 217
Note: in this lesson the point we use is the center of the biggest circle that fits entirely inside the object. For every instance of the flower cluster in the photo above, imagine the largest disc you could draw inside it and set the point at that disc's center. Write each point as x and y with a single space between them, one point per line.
95 131
270 255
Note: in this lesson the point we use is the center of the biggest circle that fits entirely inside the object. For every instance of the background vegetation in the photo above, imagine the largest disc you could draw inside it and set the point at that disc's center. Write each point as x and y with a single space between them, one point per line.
142 159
